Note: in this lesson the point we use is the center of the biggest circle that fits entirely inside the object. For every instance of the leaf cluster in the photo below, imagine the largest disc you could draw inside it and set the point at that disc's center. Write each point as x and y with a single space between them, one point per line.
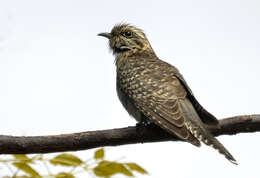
24 166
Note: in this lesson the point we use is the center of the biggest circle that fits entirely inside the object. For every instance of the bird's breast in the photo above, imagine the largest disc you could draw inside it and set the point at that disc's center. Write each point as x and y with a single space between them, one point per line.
127 102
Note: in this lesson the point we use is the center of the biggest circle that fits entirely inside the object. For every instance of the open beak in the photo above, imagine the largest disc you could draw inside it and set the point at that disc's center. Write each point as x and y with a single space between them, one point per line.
107 35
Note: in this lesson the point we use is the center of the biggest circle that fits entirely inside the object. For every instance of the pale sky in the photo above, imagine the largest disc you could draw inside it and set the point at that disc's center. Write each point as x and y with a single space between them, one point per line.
57 76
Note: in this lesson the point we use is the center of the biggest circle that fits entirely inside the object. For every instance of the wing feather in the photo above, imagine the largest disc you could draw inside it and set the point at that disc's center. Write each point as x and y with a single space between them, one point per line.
181 132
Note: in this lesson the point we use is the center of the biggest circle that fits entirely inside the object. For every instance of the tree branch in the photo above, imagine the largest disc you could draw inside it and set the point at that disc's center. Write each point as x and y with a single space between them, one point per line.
114 137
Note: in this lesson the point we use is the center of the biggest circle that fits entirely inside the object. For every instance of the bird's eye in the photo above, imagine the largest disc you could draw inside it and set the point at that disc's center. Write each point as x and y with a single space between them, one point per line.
127 34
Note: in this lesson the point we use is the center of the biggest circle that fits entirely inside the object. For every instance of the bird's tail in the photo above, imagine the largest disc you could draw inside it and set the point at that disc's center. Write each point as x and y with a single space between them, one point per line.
198 130
213 142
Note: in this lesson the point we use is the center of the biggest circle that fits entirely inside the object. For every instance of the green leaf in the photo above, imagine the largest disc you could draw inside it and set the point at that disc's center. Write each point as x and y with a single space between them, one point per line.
136 167
99 154
64 175
27 169
66 159
108 168
23 158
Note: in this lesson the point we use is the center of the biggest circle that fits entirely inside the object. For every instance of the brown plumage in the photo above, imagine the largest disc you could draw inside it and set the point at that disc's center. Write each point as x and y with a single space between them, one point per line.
151 89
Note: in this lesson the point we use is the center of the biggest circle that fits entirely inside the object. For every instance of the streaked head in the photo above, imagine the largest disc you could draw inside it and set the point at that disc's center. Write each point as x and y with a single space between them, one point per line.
125 38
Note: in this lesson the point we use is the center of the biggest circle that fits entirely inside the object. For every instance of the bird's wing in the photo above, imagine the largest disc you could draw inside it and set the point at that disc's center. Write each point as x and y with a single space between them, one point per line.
168 123
158 99
205 116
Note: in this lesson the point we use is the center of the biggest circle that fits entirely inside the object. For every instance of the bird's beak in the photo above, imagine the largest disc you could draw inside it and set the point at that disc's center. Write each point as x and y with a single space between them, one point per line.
107 35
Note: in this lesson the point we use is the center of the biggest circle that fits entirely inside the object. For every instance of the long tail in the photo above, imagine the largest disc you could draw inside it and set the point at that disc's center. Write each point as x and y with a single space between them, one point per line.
196 127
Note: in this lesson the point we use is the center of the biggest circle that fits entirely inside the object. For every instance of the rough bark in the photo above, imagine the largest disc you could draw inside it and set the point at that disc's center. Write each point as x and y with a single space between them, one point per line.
114 137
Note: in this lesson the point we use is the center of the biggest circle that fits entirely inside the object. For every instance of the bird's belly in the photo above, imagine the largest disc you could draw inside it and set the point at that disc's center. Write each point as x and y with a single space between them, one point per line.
129 105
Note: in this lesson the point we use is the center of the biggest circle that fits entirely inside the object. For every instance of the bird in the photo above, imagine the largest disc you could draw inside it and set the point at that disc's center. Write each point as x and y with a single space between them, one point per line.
154 91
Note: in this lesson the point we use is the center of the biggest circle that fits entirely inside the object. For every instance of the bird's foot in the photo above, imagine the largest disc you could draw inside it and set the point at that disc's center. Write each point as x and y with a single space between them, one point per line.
145 123
143 126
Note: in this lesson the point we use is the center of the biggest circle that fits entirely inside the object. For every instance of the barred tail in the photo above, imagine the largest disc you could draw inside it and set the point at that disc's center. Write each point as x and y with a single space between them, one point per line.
213 142
198 130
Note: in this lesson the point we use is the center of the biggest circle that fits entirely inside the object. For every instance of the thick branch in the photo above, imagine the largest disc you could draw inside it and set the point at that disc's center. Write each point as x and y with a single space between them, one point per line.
114 137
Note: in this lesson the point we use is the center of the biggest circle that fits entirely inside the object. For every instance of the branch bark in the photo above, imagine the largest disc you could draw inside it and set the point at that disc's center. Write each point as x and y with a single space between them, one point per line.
114 137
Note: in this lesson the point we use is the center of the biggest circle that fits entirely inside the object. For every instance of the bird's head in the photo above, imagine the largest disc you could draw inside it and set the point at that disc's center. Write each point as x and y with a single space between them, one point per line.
127 39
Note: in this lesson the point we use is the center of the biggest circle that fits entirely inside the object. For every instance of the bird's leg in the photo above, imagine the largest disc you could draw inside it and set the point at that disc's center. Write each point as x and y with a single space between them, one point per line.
141 127
144 125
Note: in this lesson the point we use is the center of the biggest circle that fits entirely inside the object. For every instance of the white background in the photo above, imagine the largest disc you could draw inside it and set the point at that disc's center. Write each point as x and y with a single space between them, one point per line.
57 76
